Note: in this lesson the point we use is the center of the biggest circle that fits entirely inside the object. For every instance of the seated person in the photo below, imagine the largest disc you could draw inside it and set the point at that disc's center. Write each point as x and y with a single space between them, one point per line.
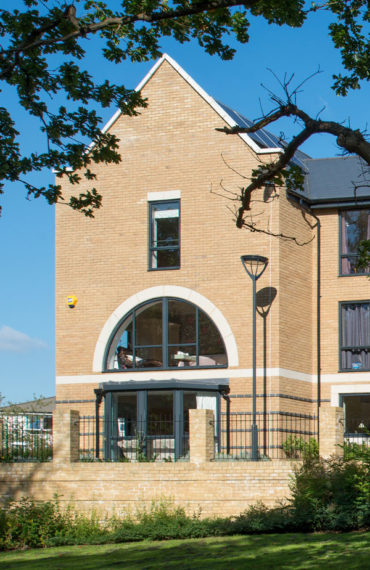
124 358
151 363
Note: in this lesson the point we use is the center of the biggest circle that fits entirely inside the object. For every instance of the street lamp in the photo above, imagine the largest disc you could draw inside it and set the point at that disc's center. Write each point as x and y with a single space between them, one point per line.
254 265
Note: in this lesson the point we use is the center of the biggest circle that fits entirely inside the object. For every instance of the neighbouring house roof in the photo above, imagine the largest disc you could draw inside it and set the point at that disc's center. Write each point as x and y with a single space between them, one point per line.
330 182
40 406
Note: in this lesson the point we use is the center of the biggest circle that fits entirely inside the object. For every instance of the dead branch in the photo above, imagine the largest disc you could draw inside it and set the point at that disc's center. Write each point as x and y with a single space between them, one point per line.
251 226
352 141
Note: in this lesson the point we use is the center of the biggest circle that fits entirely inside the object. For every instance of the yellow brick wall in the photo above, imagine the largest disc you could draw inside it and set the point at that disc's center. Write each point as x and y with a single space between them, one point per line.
335 289
217 489
173 145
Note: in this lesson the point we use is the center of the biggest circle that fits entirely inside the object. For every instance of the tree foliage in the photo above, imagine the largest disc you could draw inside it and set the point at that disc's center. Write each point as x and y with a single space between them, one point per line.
43 45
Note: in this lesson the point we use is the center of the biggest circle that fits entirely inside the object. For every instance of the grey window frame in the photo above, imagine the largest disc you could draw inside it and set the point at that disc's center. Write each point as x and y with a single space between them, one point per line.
342 255
165 344
151 248
349 347
142 390
342 396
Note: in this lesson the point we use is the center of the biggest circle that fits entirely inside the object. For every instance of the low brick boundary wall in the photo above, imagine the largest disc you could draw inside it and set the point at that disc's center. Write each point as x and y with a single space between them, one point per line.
214 488
201 485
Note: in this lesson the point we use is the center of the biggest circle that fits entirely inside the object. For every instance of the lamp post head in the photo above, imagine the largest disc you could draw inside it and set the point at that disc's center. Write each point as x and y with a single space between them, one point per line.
254 265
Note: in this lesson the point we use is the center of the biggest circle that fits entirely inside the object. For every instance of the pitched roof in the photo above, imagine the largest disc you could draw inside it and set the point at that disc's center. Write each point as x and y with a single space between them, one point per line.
261 142
327 180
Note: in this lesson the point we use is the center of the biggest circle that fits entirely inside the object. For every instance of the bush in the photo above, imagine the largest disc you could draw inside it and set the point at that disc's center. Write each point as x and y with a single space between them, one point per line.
329 494
297 448
164 521
261 519
27 523
332 494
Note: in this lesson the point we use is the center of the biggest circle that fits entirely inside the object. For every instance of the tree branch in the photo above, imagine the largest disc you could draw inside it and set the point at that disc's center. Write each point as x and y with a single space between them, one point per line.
82 30
352 141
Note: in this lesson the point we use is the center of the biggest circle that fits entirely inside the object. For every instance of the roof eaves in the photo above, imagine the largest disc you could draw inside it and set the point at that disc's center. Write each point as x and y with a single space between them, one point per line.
212 102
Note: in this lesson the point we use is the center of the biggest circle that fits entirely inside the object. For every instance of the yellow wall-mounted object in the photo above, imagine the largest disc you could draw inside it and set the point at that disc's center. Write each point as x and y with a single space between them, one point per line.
71 301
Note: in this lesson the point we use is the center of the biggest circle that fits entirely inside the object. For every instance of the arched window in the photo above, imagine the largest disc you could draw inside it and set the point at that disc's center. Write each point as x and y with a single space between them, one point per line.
165 333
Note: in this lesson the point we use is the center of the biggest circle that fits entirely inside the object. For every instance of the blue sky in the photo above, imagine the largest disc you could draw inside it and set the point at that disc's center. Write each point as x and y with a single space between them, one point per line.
27 336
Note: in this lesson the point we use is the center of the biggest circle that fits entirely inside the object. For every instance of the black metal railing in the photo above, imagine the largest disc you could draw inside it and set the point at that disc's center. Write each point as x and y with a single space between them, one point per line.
128 440
281 435
26 437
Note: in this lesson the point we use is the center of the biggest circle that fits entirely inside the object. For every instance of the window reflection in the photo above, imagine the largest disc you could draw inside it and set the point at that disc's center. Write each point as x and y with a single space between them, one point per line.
126 414
165 235
355 227
160 413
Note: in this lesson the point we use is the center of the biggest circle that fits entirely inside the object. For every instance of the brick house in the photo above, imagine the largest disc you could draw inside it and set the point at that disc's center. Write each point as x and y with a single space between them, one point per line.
163 322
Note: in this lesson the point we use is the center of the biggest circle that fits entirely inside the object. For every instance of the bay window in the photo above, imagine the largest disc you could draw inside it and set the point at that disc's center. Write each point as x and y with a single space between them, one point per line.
151 419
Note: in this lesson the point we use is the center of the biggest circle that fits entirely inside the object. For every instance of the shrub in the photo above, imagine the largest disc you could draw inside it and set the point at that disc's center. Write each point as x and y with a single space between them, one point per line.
164 521
329 494
27 523
297 448
261 519
332 494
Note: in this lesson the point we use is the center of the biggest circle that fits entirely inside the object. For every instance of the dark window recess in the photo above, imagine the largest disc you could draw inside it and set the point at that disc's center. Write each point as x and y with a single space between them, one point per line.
164 232
355 227
126 414
160 413
357 415
165 333
355 336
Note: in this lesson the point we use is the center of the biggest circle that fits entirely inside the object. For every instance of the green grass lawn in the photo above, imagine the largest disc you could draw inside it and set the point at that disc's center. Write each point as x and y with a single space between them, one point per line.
298 551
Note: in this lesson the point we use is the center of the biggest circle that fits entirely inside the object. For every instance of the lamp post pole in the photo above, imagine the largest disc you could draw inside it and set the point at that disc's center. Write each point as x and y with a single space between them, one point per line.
254 387
254 265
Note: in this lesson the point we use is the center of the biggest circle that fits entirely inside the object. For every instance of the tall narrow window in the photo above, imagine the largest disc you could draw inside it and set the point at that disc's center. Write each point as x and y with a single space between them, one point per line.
164 235
355 227
355 336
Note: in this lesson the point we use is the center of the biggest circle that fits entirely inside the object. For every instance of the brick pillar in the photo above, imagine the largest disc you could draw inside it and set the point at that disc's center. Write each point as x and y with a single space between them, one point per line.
66 436
201 436
331 431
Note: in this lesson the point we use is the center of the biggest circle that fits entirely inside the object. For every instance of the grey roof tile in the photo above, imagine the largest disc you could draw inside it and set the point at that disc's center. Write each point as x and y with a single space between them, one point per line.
337 179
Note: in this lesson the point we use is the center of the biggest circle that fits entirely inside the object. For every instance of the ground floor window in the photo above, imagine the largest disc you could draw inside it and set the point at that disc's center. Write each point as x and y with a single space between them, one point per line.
357 417
153 423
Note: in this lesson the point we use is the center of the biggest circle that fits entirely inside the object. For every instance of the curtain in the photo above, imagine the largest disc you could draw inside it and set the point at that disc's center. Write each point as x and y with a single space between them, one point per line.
367 270
207 401
355 333
345 264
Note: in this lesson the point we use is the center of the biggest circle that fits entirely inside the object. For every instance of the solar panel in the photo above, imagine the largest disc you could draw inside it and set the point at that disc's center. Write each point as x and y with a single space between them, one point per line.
263 138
